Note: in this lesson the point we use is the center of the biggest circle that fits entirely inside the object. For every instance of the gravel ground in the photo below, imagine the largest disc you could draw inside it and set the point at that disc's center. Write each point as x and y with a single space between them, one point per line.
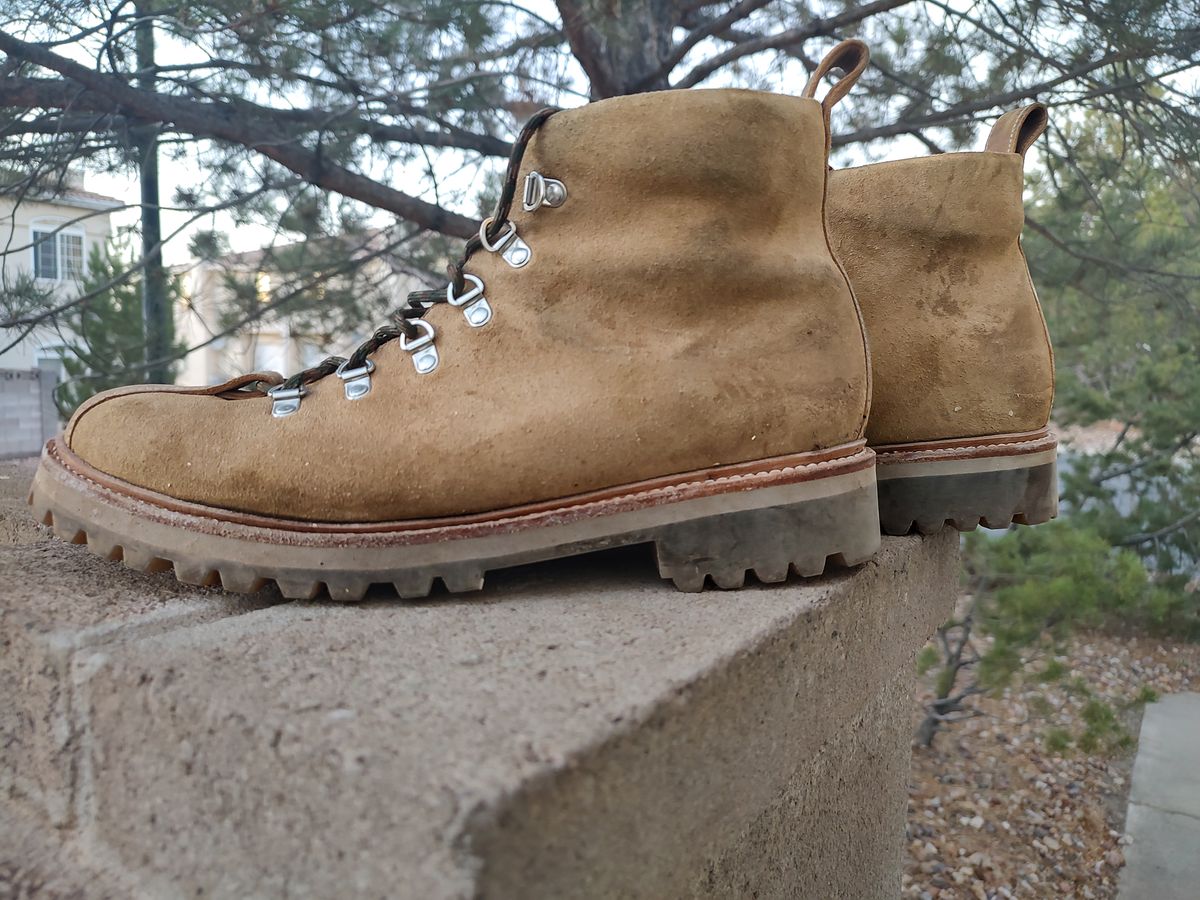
995 812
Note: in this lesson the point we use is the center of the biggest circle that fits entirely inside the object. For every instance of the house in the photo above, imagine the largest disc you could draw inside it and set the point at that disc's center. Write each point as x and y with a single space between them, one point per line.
285 343
49 238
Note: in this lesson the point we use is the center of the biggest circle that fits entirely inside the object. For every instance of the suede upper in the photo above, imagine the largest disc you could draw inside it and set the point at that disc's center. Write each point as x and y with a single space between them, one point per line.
959 346
681 310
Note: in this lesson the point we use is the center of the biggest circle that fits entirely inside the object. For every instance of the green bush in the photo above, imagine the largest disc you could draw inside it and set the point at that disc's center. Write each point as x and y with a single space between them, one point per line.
1029 590
1036 585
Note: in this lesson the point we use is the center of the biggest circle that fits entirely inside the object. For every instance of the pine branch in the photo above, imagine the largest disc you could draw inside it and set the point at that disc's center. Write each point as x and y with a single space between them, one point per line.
223 121
784 39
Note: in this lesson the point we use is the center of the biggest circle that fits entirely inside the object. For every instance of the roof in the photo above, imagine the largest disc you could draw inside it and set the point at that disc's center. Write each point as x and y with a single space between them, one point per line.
85 199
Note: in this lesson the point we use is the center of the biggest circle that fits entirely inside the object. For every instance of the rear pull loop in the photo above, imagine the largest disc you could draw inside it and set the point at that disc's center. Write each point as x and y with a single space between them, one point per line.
851 57
1018 129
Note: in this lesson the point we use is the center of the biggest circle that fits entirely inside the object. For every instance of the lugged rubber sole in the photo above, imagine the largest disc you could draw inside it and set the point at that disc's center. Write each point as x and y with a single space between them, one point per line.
993 482
788 515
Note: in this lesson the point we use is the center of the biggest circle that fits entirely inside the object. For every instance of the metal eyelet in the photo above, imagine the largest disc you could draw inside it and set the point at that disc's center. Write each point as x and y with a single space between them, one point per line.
424 353
507 234
285 401
357 381
542 191
476 309
509 245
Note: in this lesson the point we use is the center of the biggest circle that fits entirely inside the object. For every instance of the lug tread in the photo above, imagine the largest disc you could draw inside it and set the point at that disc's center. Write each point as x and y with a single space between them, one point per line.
994 499
729 579
346 589
241 579
463 580
413 585
196 573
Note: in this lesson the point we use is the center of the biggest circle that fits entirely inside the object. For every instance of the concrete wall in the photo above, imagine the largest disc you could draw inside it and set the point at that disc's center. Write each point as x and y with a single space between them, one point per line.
27 414
578 729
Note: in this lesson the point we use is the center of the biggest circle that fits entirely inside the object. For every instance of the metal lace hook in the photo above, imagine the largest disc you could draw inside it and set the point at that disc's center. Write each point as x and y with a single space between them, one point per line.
285 400
542 191
357 381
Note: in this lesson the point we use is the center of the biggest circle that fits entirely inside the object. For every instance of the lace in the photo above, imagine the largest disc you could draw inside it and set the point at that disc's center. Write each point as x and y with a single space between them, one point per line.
418 302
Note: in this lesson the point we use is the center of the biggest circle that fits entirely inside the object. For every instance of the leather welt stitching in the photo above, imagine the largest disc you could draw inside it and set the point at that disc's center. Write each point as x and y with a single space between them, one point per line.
1045 443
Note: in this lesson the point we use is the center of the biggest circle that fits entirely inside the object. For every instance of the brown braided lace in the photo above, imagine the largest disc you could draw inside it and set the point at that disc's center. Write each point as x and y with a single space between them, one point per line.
418 302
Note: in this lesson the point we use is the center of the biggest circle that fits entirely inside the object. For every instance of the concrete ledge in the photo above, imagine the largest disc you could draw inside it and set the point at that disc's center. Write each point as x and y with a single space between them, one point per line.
578 730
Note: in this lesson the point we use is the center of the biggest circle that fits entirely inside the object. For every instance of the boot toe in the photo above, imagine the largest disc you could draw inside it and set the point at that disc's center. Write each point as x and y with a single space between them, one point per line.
134 436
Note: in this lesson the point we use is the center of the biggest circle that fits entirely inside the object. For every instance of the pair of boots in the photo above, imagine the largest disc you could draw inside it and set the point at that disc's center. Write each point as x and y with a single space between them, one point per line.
679 328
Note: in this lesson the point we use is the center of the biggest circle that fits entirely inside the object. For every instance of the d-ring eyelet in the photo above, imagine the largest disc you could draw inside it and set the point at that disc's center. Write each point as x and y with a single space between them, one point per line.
285 401
357 381
509 245
476 310
506 235
424 352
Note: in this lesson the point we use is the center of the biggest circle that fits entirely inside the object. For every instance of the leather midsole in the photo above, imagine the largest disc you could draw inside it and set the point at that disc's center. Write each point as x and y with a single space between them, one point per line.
993 453
934 467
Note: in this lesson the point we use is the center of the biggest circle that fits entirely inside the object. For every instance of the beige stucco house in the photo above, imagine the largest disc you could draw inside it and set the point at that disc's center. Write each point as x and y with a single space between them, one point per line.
272 343
50 239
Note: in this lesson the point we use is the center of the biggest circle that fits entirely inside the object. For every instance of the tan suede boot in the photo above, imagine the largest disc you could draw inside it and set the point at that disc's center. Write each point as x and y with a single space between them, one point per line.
613 363
963 369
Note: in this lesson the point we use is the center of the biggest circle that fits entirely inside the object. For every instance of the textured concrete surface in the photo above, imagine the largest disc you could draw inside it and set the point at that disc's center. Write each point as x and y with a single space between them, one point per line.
1163 861
831 831
57 600
579 729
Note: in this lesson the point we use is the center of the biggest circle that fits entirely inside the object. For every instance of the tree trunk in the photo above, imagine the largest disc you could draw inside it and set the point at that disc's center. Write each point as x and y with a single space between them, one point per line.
621 44
156 310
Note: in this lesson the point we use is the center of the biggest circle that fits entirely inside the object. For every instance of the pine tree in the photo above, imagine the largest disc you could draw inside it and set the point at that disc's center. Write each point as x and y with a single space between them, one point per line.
106 336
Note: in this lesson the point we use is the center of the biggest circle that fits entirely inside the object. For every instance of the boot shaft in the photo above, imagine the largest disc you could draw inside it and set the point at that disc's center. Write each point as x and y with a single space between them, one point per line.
933 248
673 200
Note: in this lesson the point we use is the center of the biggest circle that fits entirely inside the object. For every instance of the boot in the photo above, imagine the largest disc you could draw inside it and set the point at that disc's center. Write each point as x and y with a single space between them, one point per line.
963 369
613 362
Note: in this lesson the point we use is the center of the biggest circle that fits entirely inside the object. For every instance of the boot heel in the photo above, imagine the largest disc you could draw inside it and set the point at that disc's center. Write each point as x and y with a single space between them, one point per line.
771 542
996 499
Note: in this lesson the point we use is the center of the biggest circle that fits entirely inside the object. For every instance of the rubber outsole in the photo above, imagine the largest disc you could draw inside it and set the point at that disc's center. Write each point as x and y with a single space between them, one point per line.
769 525
968 485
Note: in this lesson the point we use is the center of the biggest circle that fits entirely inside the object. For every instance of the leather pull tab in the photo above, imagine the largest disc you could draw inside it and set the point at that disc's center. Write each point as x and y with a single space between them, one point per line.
851 57
1017 129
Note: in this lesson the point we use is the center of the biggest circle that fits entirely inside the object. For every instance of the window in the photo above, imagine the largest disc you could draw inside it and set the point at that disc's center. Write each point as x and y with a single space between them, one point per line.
49 359
45 255
311 353
262 285
57 256
70 253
